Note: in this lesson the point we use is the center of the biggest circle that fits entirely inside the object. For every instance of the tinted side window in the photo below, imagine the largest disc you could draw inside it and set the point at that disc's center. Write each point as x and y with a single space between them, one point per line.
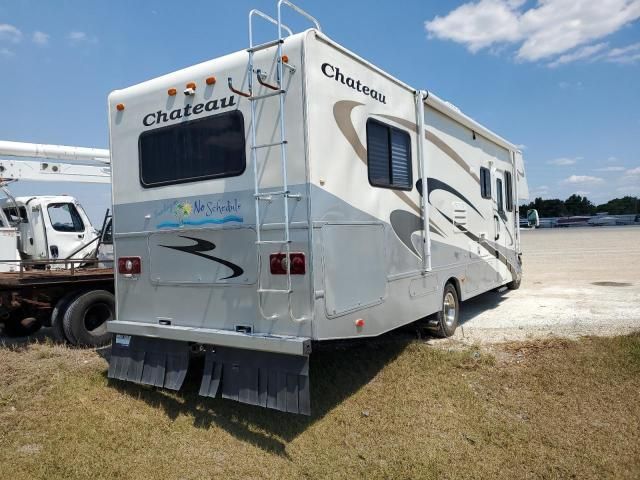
499 199
211 147
508 190
16 216
107 235
65 217
485 182
388 156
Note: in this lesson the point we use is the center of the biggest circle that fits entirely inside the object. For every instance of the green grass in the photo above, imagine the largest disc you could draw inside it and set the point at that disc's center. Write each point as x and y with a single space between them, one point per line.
395 408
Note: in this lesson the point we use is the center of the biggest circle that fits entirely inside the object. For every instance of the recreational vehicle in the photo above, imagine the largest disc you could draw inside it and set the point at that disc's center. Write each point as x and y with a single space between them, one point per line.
294 193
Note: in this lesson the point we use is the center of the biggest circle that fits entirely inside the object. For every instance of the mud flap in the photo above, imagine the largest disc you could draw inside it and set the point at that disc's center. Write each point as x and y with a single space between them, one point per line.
271 380
149 361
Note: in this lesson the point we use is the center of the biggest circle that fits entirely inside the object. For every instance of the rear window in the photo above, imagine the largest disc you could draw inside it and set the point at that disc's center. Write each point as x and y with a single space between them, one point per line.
211 147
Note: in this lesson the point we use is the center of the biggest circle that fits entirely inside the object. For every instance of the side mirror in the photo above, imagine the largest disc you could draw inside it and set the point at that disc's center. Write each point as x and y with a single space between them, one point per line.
419 186
533 218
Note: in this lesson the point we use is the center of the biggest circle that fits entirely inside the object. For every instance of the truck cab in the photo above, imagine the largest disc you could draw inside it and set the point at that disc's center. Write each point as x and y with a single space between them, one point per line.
49 227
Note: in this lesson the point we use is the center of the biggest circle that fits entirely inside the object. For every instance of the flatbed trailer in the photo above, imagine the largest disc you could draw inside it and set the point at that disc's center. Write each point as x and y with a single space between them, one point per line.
76 301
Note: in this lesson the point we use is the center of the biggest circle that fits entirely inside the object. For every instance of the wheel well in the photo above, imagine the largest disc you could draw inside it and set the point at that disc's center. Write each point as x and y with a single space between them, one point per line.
456 284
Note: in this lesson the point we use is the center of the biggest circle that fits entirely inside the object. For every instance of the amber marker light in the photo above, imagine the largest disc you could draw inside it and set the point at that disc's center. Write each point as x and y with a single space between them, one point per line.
210 80
191 85
172 92
120 107
285 59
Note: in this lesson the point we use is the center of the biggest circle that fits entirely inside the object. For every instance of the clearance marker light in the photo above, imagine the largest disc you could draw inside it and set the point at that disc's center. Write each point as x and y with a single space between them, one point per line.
172 92
210 80
285 59
360 322
191 85
120 107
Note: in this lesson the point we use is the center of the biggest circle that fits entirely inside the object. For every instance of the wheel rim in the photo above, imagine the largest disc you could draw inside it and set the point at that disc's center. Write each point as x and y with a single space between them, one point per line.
449 309
96 318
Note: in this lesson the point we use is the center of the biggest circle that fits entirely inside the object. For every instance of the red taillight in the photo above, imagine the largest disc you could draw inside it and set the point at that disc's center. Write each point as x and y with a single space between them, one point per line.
129 265
278 263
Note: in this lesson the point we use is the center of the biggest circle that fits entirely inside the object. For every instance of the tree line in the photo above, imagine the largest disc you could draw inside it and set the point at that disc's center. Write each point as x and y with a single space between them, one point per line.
579 205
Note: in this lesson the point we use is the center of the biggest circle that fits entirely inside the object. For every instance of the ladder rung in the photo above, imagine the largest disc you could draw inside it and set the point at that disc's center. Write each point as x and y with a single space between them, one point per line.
262 46
265 145
267 95
273 242
273 290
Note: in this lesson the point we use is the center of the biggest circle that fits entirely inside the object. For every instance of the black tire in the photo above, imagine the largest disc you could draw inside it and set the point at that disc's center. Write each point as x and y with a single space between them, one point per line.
515 284
86 318
20 326
57 317
447 318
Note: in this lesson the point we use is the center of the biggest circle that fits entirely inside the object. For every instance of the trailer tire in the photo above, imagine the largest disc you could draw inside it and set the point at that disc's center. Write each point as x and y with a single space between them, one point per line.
86 318
57 318
447 318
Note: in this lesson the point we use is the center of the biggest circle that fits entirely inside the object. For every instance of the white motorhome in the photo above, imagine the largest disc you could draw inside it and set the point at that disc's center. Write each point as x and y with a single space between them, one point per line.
292 193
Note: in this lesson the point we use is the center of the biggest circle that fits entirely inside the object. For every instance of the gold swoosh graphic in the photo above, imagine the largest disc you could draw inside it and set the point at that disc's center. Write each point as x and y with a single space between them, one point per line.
437 141
342 114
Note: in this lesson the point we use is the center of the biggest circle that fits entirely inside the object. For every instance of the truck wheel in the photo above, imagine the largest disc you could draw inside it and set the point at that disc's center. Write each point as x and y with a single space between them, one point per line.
87 316
447 318
57 318
19 326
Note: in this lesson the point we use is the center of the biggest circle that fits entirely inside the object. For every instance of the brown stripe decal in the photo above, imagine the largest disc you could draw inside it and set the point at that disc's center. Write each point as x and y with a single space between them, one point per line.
342 114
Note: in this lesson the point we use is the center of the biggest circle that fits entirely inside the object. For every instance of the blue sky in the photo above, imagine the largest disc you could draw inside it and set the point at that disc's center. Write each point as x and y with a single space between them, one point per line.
559 77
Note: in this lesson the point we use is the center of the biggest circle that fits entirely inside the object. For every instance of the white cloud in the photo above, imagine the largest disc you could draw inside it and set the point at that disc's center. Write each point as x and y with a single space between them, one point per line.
543 30
563 161
582 179
10 33
579 54
633 171
77 37
609 169
5 52
625 55
40 38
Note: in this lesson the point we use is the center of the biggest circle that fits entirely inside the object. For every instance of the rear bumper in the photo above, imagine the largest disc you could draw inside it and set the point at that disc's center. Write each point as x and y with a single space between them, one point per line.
210 336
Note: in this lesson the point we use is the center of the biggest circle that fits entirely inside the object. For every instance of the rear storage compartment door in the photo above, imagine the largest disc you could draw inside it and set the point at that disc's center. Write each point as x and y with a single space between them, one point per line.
203 256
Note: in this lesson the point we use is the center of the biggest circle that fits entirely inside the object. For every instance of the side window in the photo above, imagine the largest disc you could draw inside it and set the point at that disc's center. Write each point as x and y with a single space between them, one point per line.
508 191
388 156
65 217
16 216
107 235
485 182
499 199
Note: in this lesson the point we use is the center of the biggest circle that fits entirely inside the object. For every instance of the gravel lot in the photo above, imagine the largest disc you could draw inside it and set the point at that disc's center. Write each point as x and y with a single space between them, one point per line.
577 281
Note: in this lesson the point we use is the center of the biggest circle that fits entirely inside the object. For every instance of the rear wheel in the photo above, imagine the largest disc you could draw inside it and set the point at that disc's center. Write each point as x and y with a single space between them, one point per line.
87 316
515 283
57 318
447 318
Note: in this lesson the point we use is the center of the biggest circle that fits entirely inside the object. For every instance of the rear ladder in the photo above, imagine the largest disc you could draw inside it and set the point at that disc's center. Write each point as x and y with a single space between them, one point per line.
268 196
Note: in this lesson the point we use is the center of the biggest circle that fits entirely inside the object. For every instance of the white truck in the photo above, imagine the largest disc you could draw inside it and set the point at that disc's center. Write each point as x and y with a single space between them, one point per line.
53 267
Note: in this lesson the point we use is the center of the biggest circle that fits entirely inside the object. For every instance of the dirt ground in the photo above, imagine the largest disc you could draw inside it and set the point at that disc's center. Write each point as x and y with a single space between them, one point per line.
577 281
